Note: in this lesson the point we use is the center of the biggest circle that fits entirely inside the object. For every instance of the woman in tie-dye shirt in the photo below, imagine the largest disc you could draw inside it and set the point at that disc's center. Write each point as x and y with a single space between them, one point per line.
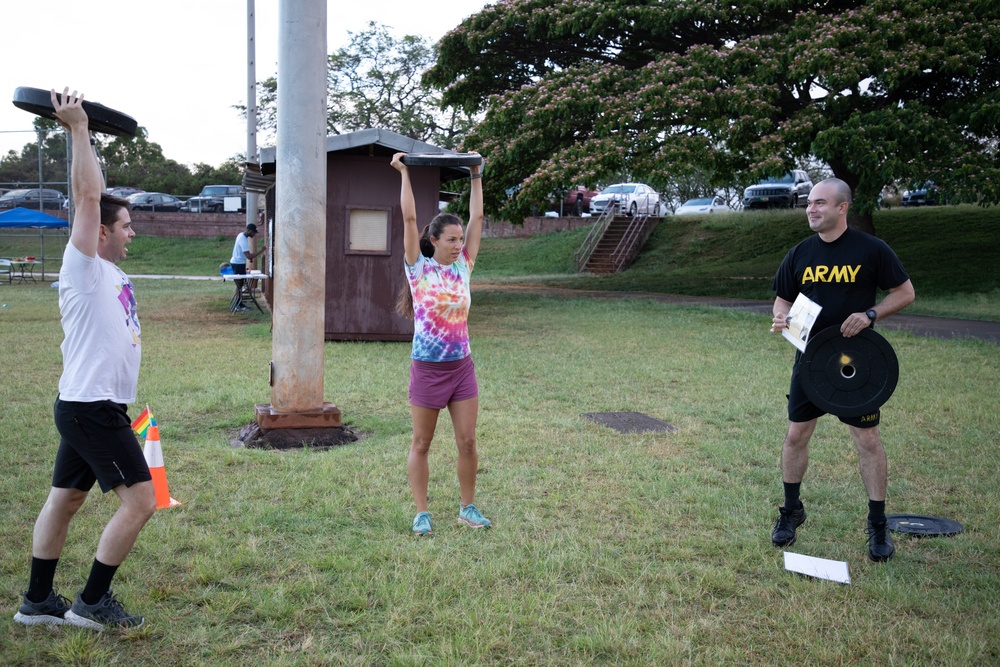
438 265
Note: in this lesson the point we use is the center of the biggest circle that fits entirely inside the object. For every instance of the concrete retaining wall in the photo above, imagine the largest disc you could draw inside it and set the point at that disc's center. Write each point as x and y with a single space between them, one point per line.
211 225
534 226
189 225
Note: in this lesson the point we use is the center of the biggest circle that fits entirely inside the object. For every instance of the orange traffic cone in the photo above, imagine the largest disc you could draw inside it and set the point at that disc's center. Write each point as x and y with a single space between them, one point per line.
154 459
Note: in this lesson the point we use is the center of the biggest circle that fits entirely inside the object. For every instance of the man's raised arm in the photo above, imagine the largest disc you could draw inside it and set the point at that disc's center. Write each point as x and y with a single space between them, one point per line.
87 181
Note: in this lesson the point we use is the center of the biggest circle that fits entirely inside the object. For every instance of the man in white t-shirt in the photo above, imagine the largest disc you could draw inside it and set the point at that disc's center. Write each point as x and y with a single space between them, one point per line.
101 352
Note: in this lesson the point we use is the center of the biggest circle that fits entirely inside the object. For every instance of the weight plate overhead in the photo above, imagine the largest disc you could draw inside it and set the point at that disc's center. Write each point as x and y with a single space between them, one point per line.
101 118
442 159
848 377
924 526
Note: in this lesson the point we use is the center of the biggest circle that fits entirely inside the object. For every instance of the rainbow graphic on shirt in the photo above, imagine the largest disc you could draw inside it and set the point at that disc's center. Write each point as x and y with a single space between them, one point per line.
126 296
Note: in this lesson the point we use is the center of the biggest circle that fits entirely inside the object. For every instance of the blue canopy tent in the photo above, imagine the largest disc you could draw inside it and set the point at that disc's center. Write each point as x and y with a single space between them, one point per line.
26 217
23 218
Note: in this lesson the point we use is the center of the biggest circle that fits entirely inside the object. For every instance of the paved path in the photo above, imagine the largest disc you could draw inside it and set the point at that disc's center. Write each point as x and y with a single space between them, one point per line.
920 325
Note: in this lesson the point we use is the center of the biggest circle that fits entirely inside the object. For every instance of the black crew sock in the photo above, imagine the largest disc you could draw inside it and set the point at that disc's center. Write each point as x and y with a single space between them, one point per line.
876 512
43 572
792 501
98 582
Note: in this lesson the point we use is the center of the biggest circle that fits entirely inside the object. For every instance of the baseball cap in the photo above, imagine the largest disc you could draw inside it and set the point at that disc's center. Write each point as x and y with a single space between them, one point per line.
251 227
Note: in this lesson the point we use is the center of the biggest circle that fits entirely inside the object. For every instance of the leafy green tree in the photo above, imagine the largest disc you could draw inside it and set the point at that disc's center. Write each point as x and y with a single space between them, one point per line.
229 172
882 91
132 161
376 81
139 162
21 169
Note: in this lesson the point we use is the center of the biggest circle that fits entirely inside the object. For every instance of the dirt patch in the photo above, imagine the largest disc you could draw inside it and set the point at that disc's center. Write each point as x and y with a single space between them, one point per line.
630 422
254 437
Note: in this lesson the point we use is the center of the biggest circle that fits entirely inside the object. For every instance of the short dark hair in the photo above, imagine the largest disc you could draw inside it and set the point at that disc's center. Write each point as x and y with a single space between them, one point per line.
110 206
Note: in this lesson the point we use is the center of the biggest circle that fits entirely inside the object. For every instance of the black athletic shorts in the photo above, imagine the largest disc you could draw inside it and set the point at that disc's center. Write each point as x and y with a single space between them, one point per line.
97 444
801 409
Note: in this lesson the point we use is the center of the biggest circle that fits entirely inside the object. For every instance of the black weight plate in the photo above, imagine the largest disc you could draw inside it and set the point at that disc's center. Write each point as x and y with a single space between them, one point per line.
925 526
101 118
848 377
442 159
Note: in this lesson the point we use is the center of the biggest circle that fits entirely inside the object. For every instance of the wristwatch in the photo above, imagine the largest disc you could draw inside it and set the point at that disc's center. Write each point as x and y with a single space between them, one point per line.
872 315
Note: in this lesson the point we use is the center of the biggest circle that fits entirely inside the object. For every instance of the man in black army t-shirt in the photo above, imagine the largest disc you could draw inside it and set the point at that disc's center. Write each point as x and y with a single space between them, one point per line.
840 269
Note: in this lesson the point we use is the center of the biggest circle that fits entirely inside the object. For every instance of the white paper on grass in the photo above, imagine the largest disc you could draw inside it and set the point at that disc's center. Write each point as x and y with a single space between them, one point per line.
801 318
821 568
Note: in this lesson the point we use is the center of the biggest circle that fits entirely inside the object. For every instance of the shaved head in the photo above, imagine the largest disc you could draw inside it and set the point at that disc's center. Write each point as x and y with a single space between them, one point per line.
841 189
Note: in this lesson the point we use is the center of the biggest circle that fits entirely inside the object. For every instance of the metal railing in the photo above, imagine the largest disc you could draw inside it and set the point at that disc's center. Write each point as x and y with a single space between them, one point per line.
595 235
629 242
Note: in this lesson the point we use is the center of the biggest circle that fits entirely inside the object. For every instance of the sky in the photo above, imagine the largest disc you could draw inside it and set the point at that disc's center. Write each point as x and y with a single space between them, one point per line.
177 67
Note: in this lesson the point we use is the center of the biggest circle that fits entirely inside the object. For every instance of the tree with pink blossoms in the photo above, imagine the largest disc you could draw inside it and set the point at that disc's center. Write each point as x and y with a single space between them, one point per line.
588 91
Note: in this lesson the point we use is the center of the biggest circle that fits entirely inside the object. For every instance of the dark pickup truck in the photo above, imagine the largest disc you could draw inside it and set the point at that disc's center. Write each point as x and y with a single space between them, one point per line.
212 199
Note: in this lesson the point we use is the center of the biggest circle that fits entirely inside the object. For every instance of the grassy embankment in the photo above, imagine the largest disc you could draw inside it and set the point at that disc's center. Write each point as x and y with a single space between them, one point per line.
951 252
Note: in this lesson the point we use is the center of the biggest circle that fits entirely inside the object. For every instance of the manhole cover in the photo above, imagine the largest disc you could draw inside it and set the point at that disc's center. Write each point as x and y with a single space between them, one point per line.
630 422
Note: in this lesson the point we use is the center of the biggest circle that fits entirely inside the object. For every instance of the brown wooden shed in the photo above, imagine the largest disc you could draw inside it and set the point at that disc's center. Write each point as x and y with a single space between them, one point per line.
364 236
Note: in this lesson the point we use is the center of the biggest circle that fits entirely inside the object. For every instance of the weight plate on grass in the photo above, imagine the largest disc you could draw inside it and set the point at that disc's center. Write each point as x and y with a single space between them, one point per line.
848 377
442 159
924 526
101 118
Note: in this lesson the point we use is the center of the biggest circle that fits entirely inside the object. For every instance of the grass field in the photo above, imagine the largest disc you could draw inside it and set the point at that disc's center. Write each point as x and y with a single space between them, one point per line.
608 549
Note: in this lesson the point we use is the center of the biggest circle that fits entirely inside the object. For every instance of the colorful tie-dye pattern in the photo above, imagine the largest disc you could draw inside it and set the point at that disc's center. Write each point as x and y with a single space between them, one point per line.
126 295
441 300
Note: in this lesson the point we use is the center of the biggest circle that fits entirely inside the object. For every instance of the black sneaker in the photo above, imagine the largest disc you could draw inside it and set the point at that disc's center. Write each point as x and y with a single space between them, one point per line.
783 534
50 611
106 612
880 546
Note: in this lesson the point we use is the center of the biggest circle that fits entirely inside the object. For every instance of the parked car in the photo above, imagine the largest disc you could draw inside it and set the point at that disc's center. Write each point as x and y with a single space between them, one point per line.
123 191
212 199
577 200
703 205
154 201
787 191
31 198
631 198
925 194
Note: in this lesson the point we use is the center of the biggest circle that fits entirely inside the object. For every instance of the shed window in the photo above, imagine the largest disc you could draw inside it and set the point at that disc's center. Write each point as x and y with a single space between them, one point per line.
369 231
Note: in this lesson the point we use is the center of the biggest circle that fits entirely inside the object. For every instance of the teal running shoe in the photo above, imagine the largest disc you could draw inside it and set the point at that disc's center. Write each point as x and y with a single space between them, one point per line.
422 524
471 516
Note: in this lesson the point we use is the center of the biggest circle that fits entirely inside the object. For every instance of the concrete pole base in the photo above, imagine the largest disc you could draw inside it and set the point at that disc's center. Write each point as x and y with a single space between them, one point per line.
269 419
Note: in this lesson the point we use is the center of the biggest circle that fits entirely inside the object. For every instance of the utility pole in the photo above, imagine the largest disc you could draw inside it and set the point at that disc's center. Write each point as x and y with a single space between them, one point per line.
41 138
252 201
299 309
